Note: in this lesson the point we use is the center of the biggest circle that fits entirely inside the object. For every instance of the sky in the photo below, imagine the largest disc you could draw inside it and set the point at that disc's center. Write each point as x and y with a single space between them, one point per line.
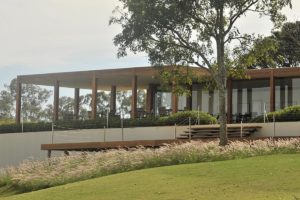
42 36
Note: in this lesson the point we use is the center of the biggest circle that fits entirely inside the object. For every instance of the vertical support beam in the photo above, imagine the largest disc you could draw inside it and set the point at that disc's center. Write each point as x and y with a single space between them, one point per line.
272 91
150 98
134 97
76 103
94 96
113 98
189 98
249 100
174 103
18 100
174 100
229 100
290 92
211 102
56 101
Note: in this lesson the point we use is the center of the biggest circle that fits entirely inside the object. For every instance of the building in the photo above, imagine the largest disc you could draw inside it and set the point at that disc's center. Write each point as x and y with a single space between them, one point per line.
264 90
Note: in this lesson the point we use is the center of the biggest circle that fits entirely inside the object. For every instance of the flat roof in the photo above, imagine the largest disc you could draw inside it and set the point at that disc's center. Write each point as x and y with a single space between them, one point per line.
122 77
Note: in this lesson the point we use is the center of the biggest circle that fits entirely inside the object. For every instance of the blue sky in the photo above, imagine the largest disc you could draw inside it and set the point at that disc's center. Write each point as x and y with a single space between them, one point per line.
71 35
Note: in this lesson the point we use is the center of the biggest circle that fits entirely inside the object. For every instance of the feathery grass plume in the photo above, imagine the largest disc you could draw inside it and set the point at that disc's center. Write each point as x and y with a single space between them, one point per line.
35 175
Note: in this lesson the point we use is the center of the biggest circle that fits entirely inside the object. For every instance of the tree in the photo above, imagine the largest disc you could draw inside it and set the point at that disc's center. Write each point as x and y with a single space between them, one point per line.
34 99
281 49
6 105
185 32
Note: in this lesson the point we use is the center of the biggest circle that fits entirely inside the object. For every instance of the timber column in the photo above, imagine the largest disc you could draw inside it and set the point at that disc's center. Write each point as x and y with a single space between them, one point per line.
76 103
174 100
229 100
134 97
94 96
18 100
56 101
272 91
150 98
113 97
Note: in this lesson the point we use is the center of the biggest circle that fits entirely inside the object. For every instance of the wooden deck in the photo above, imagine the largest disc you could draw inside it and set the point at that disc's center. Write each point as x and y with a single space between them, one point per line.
95 146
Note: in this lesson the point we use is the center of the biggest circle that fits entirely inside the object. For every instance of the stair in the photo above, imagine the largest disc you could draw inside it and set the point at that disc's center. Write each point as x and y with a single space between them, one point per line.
212 131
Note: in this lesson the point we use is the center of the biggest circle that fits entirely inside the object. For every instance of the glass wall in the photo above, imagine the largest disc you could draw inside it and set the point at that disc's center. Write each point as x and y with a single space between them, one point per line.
163 103
250 98
287 92
204 100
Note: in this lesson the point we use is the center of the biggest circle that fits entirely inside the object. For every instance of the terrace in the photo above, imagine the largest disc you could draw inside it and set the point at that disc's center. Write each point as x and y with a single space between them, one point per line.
266 90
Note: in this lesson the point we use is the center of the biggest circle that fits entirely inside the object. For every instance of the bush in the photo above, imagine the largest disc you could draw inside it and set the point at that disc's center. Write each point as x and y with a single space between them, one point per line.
180 118
287 114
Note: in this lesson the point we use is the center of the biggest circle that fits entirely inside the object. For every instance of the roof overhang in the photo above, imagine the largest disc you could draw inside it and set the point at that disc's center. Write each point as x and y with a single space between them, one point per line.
122 78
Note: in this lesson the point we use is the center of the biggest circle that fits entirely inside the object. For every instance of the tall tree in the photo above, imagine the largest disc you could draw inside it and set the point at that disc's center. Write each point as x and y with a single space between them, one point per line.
190 32
281 49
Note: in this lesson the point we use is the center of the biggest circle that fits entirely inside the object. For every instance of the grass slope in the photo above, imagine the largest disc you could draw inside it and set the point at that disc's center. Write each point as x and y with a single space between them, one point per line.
265 177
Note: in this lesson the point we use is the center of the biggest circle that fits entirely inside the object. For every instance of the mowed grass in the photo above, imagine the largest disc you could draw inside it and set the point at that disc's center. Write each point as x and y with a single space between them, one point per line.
264 177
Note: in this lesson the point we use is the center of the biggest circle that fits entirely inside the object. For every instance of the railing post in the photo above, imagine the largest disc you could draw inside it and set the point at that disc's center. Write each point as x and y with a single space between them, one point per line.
190 133
52 136
274 129
198 118
107 116
104 134
175 131
241 127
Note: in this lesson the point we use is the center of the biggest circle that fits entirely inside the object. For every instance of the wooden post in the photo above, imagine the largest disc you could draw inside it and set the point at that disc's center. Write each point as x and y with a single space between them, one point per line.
113 97
18 101
56 101
211 96
76 103
150 98
272 91
94 96
229 101
134 97
174 101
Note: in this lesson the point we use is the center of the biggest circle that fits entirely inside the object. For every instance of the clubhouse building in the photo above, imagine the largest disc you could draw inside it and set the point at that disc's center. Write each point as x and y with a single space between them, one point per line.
264 90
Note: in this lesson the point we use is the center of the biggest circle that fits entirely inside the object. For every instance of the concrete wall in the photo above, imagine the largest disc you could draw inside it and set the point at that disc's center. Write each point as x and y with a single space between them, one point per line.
15 147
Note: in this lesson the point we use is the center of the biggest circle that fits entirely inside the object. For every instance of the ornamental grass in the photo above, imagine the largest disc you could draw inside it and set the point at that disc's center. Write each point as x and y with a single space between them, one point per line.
34 175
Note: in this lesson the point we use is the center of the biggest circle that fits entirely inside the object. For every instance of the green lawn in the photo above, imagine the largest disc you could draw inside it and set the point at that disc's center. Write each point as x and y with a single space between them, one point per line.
265 177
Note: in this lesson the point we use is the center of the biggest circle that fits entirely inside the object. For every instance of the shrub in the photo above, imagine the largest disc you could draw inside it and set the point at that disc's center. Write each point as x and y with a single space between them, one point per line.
180 118
291 113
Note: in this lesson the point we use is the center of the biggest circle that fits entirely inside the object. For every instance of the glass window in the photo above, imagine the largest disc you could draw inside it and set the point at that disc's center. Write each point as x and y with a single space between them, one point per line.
250 98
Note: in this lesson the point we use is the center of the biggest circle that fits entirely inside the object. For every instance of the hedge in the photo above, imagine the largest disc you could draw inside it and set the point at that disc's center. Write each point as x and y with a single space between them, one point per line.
287 114
180 118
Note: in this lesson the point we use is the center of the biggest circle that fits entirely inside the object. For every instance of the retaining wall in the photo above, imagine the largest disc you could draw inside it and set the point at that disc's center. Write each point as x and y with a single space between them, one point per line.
15 147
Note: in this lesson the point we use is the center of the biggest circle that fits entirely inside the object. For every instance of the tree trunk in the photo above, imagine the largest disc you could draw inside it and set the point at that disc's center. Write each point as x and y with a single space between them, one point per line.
222 114
221 75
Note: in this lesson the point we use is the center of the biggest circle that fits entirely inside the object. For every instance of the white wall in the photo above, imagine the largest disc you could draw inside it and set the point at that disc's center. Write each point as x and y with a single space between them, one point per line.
15 147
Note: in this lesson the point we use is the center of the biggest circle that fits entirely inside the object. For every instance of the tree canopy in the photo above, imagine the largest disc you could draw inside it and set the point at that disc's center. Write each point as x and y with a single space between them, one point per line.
281 49
190 32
